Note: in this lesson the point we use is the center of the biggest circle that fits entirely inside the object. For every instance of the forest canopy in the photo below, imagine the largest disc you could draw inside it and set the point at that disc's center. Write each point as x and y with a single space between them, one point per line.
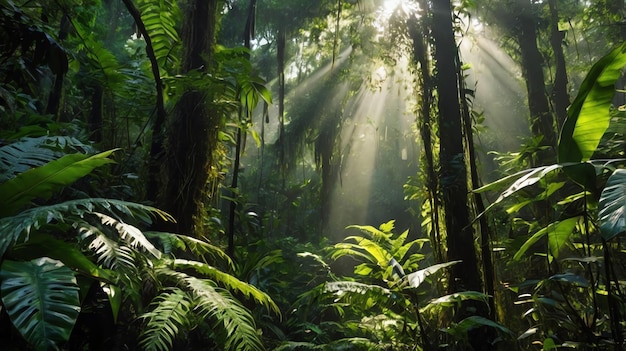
312 175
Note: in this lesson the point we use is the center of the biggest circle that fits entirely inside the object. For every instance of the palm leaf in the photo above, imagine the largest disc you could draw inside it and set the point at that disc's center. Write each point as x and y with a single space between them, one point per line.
108 251
170 313
42 182
588 117
41 299
612 206
45 245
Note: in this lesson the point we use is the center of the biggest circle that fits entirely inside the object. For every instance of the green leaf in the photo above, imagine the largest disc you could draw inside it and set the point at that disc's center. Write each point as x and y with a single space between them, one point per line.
46 245
612 206
558 234
588 116
416 278
42 182
41 299
170 313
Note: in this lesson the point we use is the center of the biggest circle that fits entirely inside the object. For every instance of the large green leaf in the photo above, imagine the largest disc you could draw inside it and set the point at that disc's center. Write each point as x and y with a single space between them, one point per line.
558 234
45 245
41 299
612 206
42 182
588 116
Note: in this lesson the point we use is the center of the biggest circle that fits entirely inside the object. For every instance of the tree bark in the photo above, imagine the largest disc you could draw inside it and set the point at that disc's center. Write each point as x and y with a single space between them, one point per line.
453 176
559 94
192 133
541 119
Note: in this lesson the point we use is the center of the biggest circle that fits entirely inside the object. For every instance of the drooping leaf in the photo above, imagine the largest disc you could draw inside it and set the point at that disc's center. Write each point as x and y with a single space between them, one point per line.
42 182
417 278
588 116
132 235
41 299
612 206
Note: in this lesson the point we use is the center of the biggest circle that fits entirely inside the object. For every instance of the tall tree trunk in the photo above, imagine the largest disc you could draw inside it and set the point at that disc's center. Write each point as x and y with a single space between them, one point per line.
541 120
192 133
421 57
453 176
559 94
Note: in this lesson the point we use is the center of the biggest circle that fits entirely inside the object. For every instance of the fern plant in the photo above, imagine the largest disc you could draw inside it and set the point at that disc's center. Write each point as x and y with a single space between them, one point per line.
53 252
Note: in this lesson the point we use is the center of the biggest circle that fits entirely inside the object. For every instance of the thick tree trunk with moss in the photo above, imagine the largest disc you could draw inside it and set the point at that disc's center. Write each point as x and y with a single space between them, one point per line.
192 133
559 94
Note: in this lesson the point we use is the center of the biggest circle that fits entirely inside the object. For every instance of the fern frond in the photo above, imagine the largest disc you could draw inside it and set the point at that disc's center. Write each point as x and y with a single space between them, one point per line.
108 251
197 247
227 313
228 281
160 19
170 313
18 227
132 235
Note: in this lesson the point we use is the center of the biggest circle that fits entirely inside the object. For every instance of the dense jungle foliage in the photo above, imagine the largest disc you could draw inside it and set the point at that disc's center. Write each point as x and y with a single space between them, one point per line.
312 175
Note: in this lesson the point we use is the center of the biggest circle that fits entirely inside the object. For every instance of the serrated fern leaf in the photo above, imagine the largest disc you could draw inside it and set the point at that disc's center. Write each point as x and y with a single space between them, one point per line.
18 227
170 313
227 313
228 281
109 252
130 234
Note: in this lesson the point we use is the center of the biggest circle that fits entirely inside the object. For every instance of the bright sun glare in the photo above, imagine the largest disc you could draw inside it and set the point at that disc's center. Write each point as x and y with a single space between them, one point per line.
389 7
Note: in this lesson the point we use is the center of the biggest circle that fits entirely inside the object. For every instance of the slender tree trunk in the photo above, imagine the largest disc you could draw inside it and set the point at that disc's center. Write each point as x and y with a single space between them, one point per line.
559 94
541 120
192 133
421 57
453 177
156 146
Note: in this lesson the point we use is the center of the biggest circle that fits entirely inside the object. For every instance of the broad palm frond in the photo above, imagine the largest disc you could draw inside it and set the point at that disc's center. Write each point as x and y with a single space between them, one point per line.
41 299
170 314
228 281
43 181
363 295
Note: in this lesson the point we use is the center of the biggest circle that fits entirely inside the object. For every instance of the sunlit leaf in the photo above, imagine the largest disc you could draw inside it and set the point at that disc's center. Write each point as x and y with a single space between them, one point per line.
42 182
558 234
417 278
588 116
